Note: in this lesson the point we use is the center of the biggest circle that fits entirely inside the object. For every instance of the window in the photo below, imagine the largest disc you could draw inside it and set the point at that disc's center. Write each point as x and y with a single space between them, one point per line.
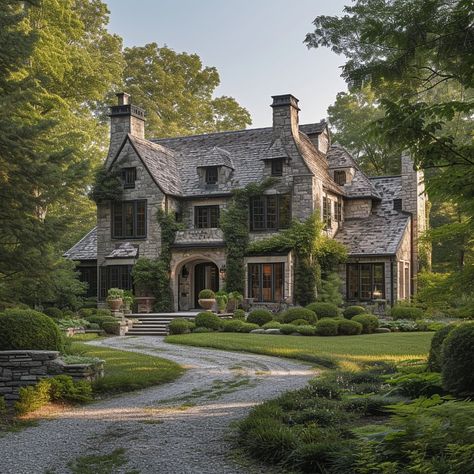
129 176
365 281
265 282
327 214
270 212
206 217
338 211
340 177
129 219
277 167
115 276
397 204
89 275
211 175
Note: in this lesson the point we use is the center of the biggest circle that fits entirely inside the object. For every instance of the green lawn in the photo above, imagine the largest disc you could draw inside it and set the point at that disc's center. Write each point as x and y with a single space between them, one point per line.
126 371
347 351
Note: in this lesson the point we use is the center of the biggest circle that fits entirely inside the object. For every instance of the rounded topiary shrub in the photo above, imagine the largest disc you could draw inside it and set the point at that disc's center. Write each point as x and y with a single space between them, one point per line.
247 327
288 329
180 326
369 322
100 320
404 311
435 357
272 325
28 329
300 322
293 314
348 327
239 314
458 361
352 311
326 327
307 330
111 327
232 325
206 295
54 313
208 320
324 310
259 316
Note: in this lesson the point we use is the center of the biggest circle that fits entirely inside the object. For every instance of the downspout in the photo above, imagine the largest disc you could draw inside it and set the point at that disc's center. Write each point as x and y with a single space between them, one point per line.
391 281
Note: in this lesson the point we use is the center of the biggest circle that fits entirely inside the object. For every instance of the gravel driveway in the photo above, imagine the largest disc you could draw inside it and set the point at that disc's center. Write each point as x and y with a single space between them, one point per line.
180 427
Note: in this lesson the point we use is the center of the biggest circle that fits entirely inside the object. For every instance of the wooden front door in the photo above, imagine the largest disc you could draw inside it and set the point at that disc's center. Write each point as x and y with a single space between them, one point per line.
206 276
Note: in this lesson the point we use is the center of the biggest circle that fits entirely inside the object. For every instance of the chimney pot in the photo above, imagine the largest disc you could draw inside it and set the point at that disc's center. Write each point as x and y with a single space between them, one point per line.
123 98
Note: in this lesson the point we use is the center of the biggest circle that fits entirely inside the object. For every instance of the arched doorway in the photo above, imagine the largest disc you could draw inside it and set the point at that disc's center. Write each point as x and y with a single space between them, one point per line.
206 275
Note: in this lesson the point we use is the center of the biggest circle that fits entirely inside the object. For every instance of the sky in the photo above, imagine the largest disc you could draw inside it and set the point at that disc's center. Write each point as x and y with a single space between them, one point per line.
256 46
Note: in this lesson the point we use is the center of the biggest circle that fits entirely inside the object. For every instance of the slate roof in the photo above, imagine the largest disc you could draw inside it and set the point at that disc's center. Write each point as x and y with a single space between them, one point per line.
381 233
85 249
125 250
339 157
216 157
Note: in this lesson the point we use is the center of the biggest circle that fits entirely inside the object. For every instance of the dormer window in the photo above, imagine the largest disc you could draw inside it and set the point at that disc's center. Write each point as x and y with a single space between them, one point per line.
277 167
340 177
211 174
129 176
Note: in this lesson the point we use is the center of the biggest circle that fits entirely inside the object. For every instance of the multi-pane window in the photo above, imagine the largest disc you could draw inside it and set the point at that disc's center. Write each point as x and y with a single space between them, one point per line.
327 211
340 177
212 174
277 167
89 275
129 219
115 276
129 176
397 204
265 282
206 217
365 281
270 212
338 211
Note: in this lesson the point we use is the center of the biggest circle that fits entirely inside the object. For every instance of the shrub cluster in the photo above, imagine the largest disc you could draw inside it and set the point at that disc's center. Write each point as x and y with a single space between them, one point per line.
352 311
347 327
54 313
208 320
259 316
324 310
405 311
28 329
239 314
369 322
327 327
59 388
180 326
435 356
294 314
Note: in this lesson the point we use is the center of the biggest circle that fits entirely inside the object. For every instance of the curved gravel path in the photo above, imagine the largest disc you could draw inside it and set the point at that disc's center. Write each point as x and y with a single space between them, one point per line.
180 427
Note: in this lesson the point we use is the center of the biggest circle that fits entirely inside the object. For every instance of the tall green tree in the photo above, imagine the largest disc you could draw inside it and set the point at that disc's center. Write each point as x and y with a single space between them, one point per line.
176 91
418 56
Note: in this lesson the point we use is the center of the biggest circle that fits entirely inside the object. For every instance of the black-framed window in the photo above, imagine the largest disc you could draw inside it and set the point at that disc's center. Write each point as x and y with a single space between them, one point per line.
129 219
206 217
115 276
327 211
338 211
397 204
277 167
212 174
89 275
265 282
365 281
129 176
270 212
340 177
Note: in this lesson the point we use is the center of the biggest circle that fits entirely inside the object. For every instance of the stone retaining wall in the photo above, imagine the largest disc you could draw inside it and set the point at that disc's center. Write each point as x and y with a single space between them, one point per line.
21 368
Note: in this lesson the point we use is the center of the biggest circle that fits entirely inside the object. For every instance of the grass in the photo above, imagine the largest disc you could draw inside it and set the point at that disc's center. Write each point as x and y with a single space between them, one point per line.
127 371
106 464
344 351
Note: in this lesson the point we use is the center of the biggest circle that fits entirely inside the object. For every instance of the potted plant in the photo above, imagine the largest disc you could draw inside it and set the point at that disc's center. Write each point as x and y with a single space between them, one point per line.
115 298
128 301
235 298
221 300
207 299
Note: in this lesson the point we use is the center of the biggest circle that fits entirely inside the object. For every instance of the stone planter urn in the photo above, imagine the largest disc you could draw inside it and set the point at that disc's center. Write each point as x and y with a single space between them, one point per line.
114 303
207 303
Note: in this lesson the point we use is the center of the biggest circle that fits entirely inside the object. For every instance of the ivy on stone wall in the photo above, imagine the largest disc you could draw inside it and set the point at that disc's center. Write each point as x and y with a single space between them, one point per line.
234 222
153 275
108 186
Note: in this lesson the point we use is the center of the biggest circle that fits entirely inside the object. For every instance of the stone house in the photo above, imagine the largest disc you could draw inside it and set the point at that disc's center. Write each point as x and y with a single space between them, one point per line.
378 219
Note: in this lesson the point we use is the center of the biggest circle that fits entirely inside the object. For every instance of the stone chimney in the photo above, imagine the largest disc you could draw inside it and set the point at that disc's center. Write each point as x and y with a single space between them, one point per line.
285 116
124 118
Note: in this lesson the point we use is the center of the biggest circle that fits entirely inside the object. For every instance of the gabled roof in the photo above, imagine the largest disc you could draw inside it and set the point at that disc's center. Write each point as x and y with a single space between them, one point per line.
275 150
85 249
314 128
339 157
216 157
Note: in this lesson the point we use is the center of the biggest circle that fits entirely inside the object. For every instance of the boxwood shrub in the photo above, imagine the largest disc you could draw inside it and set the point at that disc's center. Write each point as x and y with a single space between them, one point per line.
352 311
369 322
324 310
239 314
101 320
54 313
458 361
272 325
247 327
405 311
347 327
300 322
326 327
259 316
180 326
293 314
288 329
306 330
233 325
435 357
28 329
208 320
111 327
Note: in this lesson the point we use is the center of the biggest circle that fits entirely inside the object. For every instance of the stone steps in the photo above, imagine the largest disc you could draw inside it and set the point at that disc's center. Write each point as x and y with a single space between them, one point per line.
155 324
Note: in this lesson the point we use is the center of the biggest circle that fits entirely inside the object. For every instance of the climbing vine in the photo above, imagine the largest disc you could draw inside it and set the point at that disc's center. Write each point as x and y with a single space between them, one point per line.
108 186
153 275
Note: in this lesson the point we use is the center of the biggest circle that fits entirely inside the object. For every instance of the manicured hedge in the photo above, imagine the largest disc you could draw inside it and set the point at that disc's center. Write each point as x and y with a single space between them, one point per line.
326 327
28 329
435 357
324 310
180 326
352 311
369 322
208 320
259 316
239 314
293 314
233 325
348 327
403 311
